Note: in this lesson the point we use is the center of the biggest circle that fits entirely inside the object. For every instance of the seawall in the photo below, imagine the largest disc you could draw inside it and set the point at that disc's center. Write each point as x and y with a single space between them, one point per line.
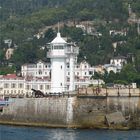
84 112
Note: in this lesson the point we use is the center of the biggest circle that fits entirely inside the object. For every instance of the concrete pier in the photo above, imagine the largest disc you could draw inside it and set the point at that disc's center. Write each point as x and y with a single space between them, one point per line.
74 112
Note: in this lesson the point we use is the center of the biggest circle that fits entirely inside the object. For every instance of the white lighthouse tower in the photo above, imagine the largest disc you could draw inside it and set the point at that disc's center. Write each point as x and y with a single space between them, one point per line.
60 52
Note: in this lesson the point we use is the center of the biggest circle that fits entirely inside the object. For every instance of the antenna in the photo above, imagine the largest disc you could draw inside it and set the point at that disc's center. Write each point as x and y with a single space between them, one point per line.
58 27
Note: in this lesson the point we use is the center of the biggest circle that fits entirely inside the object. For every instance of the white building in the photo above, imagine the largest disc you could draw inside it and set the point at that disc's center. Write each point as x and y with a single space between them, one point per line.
116 64
9 53
40 70
118 61
13 85
110 67
82 71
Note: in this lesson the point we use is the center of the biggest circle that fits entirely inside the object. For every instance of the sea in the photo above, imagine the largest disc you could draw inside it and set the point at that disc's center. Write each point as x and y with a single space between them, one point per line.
31 133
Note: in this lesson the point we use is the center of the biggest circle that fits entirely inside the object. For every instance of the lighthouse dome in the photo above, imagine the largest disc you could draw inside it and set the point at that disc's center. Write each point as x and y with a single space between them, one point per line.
58 39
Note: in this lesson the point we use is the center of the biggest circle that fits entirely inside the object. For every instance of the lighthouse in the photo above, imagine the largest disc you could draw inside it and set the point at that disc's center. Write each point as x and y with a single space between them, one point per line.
60 53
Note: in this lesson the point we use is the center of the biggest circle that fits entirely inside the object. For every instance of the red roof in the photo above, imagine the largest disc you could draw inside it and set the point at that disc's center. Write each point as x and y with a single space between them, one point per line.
10 76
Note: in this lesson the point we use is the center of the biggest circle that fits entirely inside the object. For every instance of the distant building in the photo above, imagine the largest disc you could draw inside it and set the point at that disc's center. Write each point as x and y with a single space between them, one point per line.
118 61
38 76
8 42
99 69
110 67
115 32
82 71
40 70
116 64
9 53
12 85
81 27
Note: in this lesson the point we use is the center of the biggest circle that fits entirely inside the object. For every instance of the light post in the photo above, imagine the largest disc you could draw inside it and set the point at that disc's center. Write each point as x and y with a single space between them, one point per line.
129 91
118 92
106 91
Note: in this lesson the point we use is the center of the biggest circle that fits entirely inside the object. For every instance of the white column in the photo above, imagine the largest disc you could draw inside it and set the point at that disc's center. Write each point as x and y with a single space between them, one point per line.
58 75
72 87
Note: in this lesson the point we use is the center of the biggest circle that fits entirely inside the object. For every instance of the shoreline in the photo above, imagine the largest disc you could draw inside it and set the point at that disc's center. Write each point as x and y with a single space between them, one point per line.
54 126
78 113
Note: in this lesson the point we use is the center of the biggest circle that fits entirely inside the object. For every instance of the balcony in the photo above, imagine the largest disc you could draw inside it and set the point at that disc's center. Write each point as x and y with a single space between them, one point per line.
54 54
72 50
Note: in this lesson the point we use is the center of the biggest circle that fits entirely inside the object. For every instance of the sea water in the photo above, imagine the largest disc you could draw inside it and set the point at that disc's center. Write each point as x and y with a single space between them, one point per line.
31 133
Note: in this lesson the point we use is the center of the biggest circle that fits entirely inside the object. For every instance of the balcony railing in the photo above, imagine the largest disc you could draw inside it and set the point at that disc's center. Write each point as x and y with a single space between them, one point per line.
71 50
51 54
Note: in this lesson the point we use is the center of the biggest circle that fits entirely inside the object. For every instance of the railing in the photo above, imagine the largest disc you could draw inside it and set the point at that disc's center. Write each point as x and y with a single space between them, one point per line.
64 52
109 92
71 49
56 54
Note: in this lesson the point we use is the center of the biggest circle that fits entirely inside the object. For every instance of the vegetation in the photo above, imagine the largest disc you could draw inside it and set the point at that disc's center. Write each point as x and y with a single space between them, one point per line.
20 20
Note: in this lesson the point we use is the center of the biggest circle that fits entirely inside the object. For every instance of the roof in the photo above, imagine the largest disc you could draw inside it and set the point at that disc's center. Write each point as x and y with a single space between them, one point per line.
109 65
10 76
58 39
119 57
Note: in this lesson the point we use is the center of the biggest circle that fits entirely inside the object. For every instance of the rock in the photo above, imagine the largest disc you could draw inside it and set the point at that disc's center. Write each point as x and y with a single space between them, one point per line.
115 118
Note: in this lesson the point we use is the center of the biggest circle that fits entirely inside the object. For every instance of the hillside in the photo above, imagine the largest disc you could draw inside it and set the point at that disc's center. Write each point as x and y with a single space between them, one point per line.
23 20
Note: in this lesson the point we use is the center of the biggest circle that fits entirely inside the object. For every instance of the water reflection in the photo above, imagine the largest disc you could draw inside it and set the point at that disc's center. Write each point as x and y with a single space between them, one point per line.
60 134
28 133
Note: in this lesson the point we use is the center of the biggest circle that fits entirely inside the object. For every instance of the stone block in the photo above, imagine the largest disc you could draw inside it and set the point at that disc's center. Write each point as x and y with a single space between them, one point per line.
115 118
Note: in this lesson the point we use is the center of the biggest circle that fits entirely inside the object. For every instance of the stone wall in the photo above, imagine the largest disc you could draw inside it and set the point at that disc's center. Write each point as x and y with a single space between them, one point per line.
72 112
38 110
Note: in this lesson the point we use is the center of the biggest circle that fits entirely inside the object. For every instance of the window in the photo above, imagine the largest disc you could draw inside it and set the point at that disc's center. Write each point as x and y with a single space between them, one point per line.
13 85
68 66
85 66
61 84
68 73
61 66
90 72
85 73
20 85
76 87
68 79
28 87
67 87
40 72
41 87
58 47
6 85
77 73
47 87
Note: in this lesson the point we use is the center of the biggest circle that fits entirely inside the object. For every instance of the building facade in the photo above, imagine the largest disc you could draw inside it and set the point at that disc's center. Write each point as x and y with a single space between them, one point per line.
118 62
